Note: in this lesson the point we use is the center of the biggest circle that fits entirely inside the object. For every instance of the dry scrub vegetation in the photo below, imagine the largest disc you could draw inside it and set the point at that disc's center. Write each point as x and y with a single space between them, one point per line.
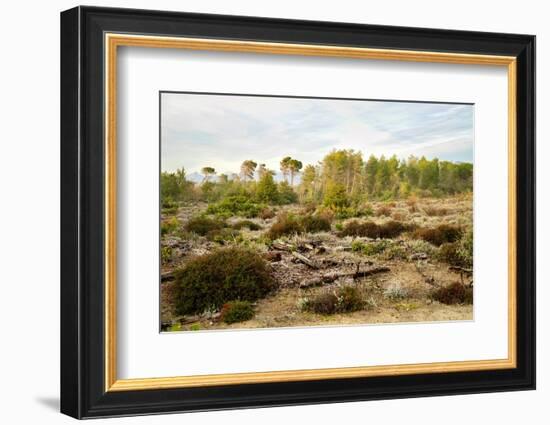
244 264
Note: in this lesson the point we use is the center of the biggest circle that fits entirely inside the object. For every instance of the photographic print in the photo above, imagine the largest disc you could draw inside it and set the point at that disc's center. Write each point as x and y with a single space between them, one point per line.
281 211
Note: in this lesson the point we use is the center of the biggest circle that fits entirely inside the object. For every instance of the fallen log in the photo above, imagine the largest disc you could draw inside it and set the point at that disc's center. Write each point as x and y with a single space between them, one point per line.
304 260
331 277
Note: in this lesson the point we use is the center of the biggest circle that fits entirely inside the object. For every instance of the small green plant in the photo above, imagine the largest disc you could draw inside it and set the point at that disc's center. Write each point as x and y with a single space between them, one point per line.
466 248
169 226
236 311
166 254
395 251
195 327
339 226
455 293
396 292
375 248
209 281
202 225
240 205
221 236
419 246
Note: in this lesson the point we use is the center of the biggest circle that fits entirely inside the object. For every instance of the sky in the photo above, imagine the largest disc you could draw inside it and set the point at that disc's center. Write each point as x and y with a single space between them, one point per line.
222 131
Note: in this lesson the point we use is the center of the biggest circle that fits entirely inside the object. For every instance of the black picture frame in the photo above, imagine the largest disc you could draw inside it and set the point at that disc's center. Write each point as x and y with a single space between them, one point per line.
83 392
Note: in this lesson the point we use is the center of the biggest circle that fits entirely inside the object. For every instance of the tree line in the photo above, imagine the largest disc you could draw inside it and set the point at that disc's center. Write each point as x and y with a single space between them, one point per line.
341 179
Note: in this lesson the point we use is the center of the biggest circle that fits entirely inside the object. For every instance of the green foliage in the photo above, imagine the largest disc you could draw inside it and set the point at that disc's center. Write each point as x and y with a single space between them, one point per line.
246 223
455 293
286 194
448 253
466 248
236 205
395 251
350 299
266 190
227 274
444 233
202 225
396 292
169 226
222 235
165 254
369 248
336 196
174 188
236 311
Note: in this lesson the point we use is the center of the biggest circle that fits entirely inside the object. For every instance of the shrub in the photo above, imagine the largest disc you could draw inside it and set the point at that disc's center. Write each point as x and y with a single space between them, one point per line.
169 206
246 223
325 303
169 226
399 215
309 208
236 311
448 253
357 228
384 210
455 293
350 299
392 229
336 196
287 194
396 292
222 235
267 213
374 248
209 281
372 230
202 225
266 189
433 211
439 235
466 248
286 224
166 253
235 205
345 300
395 252
315 223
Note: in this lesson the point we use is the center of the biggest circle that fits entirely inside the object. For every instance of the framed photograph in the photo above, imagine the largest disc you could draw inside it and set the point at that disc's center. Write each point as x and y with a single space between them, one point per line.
261 212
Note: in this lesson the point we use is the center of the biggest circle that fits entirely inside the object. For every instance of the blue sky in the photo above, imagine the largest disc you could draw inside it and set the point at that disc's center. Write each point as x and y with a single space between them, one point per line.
222 131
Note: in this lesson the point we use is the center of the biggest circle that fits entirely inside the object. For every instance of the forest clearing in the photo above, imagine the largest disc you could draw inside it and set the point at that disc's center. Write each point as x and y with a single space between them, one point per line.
345 241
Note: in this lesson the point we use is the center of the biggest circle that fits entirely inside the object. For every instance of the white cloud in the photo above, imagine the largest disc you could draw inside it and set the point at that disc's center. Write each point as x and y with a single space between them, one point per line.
222 131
